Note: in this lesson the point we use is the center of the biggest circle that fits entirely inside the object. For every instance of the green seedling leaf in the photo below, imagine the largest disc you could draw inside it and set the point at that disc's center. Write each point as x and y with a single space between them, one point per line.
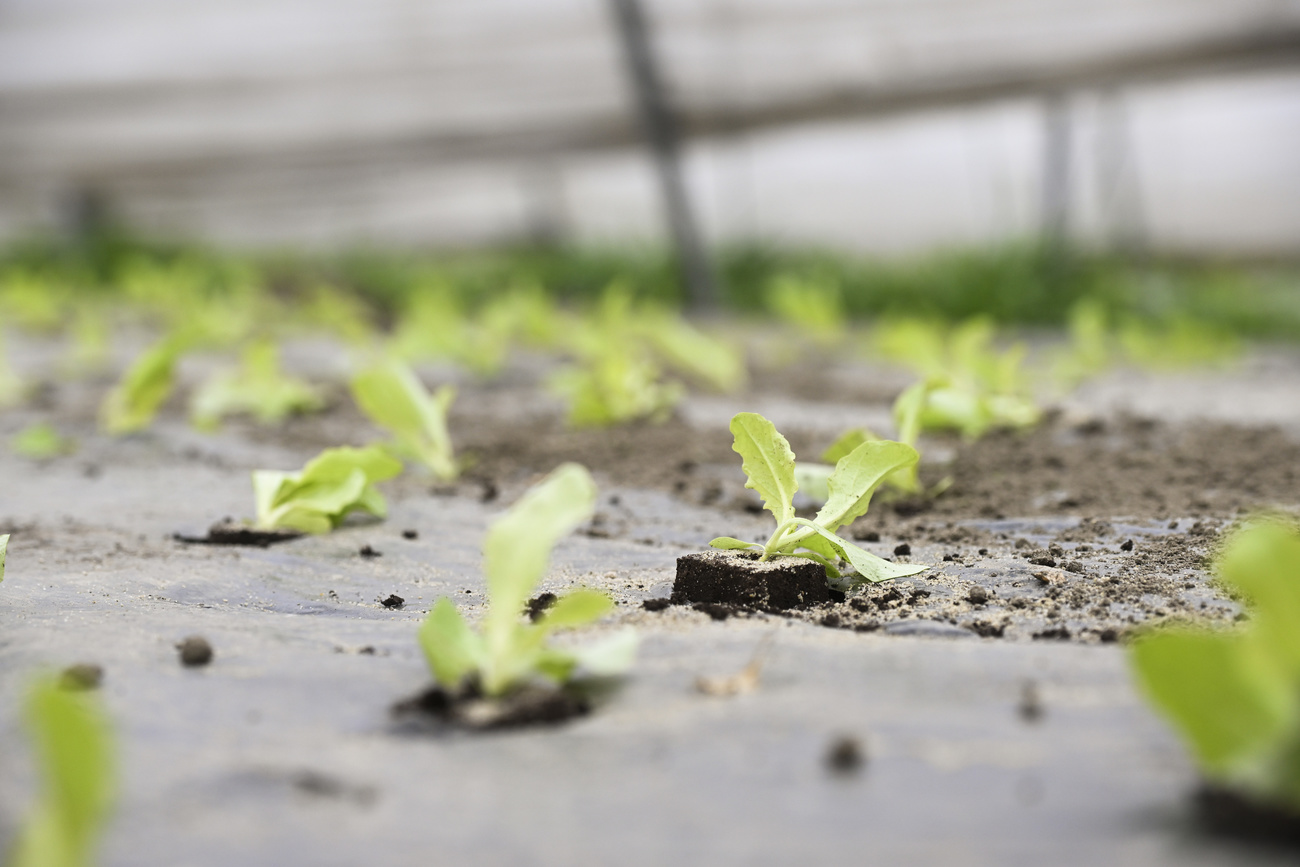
615 386
811 480
767 461
258 388
856 477
41 442
518 545
869 567
331 486
576 609
4 546
451 648
74 753
847 442
393 397
727 543
146 385
1232 694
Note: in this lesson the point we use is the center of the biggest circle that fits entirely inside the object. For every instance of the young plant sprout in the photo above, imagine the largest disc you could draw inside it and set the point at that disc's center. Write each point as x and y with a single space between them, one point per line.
1235 695
814 306
146 385
41 441
74 753
4 546
394 398
258 388
507 652
967 385
331 486
770 466
12 388
617 385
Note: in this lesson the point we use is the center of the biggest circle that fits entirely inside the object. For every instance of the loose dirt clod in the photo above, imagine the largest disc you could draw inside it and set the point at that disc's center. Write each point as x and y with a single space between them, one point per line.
845 755
369 552
977 595
82 676
656 604
195 651
392 601
740 578
468 708
539 604
410 534
230 532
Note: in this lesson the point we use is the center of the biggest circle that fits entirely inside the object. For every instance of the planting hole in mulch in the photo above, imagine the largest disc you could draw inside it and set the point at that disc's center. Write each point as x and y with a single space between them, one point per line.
467 708
1229 814
740 578
231 532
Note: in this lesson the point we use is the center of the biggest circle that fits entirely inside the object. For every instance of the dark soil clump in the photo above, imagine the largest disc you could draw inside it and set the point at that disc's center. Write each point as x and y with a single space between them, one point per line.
1225 812
739 578
228 532
81 677
538 604
468 708
195 651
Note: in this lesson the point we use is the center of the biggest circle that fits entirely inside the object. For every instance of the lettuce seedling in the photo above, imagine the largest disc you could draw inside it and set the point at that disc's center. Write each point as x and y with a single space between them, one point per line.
13 389
4 547
394 398
769 465
258 387
74 753
41 441
615 386
331 486
144 388
1235 695
507 652
814 306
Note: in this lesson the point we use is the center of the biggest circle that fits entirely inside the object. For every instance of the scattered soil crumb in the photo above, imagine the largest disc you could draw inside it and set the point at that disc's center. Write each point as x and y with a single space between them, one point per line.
195 651
368 552
845 755
392 601
656 604
468 708
82 676
538 605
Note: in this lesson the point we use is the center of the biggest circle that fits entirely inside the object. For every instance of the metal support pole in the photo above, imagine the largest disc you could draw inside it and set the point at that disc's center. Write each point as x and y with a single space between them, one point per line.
1056 169
660 130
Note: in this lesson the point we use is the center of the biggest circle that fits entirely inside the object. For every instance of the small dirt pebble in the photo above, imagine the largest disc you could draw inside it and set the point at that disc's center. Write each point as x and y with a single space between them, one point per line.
367 551
410 534
977 596
538 604
1030 707
1074 566
903 550
392 601
656 604
195 651
867 536
1127 545
82 676
984 552
845 755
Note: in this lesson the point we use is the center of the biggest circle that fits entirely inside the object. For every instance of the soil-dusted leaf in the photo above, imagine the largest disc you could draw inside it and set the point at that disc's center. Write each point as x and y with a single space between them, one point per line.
518 544
451 648
332 485
576 609
869 567
258 387
729 544
4 547
394 398
767 461
856 477
146 385
74 753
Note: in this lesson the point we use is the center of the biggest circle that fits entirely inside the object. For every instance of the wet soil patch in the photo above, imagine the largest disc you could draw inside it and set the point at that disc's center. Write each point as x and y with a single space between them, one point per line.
741 579
1227 813
230 532
469 709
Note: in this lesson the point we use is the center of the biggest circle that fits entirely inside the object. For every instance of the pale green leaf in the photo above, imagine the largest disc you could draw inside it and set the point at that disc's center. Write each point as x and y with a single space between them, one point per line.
450 647
41 441
768 463
146 385
1228 705
811 480
1263 561
608 656
4 547
518 544
576 609
394 399
869 567
727 543
856 477
847 442
74 752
